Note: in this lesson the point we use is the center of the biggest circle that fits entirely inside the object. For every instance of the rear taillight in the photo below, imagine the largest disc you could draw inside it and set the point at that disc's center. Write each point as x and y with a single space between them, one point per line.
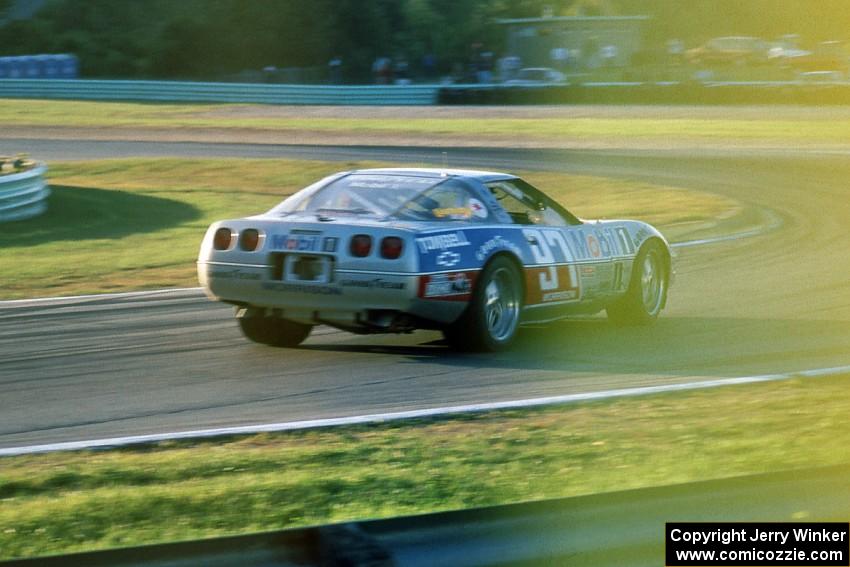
223 239
361 245
391 247
249 239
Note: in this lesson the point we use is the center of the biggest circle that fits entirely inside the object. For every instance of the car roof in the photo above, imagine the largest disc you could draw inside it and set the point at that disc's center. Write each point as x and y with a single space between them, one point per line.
483 176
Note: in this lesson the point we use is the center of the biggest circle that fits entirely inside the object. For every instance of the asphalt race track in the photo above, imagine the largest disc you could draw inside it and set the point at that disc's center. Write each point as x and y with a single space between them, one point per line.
777 302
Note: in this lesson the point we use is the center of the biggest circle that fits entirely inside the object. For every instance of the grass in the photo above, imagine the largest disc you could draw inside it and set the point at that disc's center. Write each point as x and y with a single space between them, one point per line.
174 117
63 502
120 225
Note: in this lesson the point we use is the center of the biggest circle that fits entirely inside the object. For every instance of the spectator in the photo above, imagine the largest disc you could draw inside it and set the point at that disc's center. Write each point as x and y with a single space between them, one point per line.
485 67
382 70
509 67
335 70
429 66
401 71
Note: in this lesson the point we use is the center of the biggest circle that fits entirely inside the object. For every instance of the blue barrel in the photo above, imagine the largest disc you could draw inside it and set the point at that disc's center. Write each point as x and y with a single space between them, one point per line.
15 68
31 66
69 66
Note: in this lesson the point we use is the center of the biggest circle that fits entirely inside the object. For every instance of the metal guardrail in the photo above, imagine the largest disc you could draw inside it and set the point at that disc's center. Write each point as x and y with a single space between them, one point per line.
616 529
23 195
181 91
401 95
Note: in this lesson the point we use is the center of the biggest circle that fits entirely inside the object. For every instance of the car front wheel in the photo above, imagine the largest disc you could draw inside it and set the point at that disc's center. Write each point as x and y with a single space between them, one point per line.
258 327
647 291
491 320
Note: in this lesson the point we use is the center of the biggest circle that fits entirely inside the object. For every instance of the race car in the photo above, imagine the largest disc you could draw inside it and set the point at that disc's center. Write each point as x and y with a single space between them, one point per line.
474 254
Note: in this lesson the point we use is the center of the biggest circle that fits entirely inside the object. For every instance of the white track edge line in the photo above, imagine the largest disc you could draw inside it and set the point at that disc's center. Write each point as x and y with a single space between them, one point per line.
414 414
125 294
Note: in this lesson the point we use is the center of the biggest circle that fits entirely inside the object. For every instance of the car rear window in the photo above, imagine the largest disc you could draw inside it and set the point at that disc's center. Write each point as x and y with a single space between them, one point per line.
394 196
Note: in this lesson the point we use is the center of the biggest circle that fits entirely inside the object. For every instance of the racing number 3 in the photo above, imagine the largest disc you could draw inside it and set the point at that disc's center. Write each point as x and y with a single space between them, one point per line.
542 243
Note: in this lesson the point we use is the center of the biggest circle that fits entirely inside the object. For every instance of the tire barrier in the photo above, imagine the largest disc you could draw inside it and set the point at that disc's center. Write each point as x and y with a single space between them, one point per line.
23 194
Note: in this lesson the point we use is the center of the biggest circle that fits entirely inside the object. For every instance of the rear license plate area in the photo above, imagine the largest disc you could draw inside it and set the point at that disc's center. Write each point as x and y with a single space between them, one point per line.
303 268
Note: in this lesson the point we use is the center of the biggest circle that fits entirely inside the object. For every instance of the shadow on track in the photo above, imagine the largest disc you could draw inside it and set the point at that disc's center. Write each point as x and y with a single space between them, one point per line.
674 345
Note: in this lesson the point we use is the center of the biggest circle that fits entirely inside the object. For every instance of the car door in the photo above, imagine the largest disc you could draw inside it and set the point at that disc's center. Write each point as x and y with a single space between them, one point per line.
552 281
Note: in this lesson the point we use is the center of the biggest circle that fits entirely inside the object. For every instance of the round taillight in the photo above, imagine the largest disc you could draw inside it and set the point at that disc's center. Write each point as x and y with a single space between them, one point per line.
361 245
222 239
249 239
391 247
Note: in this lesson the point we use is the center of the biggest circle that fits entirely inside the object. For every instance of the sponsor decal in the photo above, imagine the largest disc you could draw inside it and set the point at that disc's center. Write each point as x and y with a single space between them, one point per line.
605 276
442 241
641 235
302 288
600 243
559 296
497 243
618 283
626 244
295 242
447 259
593 246
579 245
234 275
377 283
453 213
329 244
588 271
453 286
477 207
607 242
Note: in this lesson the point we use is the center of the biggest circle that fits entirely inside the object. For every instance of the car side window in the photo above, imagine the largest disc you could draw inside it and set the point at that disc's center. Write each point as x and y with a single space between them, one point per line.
526 205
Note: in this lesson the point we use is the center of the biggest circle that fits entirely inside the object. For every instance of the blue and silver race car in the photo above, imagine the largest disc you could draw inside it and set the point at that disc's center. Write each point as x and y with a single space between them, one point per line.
474 254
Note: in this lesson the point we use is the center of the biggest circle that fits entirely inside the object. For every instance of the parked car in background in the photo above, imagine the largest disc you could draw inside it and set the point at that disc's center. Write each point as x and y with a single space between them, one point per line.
532 76
732 50
831 56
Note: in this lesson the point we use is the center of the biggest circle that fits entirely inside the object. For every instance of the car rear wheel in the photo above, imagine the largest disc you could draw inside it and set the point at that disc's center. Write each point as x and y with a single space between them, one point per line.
647 291
491 320
259 327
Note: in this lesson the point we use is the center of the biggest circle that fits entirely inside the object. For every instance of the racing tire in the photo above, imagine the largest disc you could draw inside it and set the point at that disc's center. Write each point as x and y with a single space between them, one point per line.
491 320
272 331
647 293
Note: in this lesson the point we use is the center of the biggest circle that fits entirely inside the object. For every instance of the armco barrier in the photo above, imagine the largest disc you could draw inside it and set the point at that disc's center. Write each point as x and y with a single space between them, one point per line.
23 195
710 93
721 93
180 91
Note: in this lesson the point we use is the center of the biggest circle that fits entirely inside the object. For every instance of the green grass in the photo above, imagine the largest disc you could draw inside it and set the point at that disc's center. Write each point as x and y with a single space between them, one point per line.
120 225
63 502
174 117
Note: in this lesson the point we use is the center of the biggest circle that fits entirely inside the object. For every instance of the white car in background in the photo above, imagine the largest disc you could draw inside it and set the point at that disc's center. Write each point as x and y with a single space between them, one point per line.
538 76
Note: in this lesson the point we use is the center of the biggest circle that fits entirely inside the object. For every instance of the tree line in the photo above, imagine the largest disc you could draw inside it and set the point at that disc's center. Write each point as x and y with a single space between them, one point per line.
212 39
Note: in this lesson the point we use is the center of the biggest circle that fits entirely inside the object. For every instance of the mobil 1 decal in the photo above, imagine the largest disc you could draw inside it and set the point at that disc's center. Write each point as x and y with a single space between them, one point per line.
594 243
554 278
